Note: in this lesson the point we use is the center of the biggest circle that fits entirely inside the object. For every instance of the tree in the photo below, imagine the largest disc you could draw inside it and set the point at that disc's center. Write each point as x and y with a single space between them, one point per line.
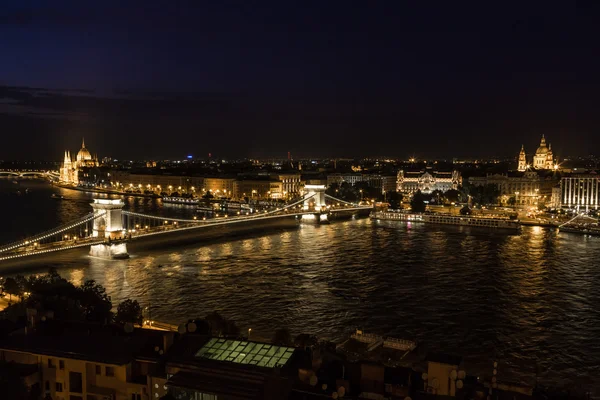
208 195
282 337
95 303
129 311
394 198
511 201
465 210
11 286
437 197
453 196
417 203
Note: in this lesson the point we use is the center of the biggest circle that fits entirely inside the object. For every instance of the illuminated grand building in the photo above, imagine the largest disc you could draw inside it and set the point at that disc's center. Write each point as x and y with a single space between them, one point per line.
69 172
427 181
543 158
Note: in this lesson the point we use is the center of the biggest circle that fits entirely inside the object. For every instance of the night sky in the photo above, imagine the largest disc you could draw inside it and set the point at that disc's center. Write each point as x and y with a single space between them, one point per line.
317 78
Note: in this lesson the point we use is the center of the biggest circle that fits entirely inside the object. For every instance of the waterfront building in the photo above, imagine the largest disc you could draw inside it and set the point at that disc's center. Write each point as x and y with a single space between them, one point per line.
542 159
257 188
528 188
580 191
156 183
220 187
339 178
69 171
427 181
291 184
384 183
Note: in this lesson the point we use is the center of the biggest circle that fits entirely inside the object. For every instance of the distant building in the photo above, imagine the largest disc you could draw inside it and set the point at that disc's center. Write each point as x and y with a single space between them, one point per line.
339 178
220 187
385 183
427 181
580 191
542 159
69 171
528 188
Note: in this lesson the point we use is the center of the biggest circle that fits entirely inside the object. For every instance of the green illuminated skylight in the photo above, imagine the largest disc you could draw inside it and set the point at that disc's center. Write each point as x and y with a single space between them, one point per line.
240 352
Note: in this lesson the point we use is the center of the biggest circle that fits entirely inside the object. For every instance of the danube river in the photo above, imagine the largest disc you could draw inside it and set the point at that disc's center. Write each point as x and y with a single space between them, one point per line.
530 300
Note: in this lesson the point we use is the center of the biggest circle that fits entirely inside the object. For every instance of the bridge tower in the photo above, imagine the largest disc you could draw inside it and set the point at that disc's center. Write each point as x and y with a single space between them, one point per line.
109 225
314 199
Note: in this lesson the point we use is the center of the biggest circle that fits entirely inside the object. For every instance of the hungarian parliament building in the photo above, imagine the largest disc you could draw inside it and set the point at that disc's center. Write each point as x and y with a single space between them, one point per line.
69 171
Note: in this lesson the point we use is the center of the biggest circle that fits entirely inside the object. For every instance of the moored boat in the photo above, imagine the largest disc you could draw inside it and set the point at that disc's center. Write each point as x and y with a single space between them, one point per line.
181 200
447 219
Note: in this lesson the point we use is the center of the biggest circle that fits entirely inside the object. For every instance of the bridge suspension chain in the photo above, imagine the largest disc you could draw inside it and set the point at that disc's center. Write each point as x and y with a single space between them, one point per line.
339 200
51 232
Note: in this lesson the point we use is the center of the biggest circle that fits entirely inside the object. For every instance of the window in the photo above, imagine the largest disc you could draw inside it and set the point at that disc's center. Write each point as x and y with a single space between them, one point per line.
75 382
50 363
61 364
59 387
98 370
110 371
47 385
136 396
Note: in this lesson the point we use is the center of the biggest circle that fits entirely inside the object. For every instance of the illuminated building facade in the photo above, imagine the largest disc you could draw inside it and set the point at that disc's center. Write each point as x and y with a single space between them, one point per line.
528 188
542 159
580 191
427 181
69 171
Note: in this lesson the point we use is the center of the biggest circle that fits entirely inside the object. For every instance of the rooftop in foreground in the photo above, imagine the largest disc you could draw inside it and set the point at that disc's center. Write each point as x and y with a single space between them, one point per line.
243 352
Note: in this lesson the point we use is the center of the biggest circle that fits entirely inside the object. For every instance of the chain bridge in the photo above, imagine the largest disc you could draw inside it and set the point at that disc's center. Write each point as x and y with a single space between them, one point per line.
108 228
28 174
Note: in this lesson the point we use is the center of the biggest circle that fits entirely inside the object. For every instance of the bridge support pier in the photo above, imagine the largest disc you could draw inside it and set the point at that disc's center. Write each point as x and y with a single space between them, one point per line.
314 199
108 224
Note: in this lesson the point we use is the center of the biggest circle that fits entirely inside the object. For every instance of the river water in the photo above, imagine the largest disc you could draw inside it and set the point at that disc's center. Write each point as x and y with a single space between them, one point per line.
530 300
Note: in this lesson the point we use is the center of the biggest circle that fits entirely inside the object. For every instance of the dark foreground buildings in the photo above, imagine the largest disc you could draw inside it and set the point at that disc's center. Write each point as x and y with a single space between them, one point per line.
79 361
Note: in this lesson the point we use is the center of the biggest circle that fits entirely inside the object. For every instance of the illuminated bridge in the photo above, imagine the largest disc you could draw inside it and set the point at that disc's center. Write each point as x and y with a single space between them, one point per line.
109 228
28 173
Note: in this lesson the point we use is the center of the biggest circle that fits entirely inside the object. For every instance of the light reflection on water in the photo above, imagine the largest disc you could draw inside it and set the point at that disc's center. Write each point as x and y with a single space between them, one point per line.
528 299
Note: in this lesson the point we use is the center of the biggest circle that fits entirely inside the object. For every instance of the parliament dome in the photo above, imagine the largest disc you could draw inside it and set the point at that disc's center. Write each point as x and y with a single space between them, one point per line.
84 154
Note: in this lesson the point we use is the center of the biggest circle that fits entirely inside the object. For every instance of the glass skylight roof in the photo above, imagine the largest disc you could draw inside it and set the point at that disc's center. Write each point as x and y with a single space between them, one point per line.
240 352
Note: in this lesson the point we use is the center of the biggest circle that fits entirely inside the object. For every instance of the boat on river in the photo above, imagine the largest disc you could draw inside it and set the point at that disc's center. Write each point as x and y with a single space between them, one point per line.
181 200
447 219
581 224
57 196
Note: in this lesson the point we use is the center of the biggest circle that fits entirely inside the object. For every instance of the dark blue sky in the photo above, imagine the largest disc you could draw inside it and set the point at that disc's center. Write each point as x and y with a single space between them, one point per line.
339 78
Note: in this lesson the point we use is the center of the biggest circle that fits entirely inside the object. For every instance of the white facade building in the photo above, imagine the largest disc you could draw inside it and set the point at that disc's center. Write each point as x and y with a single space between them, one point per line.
580 191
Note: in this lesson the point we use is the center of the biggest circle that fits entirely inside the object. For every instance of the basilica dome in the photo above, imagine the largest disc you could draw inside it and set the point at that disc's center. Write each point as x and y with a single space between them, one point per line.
543 149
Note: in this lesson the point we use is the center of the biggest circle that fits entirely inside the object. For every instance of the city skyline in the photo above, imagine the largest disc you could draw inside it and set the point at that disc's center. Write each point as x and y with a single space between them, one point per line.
318 80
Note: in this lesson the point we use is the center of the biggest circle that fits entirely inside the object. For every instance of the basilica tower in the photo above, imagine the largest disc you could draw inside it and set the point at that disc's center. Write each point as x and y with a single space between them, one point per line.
522 160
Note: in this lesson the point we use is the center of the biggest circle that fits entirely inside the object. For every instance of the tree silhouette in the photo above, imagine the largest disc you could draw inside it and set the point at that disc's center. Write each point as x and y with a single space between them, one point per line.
394 198
95 303
12 288
417 203
129 311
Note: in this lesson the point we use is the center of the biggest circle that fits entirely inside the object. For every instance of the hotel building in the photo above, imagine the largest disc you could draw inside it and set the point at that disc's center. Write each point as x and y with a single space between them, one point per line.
580 191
